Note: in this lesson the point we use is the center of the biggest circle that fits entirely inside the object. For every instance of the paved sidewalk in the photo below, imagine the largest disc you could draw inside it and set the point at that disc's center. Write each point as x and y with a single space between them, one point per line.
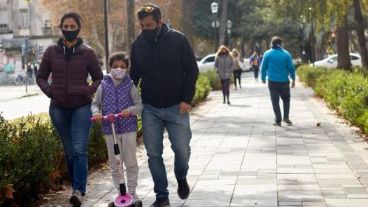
240 159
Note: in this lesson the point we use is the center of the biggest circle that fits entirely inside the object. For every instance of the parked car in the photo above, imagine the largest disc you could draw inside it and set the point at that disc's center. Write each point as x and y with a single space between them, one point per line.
208 63
331 61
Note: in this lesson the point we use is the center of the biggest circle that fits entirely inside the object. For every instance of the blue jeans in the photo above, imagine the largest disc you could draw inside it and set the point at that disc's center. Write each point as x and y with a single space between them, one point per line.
154 120
73 127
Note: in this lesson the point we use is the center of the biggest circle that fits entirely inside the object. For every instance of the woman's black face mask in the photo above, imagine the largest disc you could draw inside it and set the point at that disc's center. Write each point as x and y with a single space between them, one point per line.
70 35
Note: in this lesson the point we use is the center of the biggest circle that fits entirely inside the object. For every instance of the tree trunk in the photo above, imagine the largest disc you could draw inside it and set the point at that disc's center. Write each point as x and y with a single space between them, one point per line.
131 23
342 35
360 25
223 19
187 19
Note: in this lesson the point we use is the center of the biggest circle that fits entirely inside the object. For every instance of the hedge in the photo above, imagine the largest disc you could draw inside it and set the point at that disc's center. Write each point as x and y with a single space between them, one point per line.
344 91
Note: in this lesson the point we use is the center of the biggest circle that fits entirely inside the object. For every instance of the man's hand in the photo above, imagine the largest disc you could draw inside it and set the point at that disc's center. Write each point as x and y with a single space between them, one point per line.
184 107
293 84
125 113
98 117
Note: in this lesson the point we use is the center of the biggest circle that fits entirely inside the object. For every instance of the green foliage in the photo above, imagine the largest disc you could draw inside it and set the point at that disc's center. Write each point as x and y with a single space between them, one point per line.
346 92
30 151
213 78
32 158
254 23
203 88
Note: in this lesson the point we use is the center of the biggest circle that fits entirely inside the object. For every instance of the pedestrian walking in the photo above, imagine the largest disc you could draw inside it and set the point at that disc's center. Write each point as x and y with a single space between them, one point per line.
71 61
237 68
277 65
255 62
165 66
117 94
224 68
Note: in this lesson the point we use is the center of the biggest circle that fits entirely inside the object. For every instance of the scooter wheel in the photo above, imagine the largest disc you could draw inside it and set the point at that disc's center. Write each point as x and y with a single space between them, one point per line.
138 204
111 204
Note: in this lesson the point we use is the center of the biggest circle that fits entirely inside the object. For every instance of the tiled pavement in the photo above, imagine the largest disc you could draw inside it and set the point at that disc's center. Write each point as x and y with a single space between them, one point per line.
240 159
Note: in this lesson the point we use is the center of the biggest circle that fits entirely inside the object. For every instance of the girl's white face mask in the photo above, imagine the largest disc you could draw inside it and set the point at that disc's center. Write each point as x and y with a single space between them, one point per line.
118 73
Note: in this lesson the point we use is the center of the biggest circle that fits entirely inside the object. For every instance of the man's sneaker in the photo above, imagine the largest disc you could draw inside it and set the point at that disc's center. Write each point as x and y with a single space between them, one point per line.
277 124
161 202
183 188
288 122
76 199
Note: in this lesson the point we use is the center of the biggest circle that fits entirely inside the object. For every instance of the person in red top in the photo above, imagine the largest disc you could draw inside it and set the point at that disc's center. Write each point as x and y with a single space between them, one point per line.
70 61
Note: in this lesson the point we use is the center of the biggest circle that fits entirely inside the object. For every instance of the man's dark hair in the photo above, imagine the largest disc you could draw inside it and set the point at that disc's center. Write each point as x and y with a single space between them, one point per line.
77 18
276 41
149 10
118 56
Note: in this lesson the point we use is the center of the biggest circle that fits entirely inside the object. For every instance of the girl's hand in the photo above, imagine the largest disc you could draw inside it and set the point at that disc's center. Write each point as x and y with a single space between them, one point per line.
125 113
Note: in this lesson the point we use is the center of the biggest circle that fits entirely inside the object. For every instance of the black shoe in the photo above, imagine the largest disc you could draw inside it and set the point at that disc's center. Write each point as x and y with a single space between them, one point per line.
277 124
288 122
76 199
161 202
183 189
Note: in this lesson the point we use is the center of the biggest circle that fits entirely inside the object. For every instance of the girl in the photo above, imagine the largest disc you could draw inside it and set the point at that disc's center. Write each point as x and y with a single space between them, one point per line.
118 94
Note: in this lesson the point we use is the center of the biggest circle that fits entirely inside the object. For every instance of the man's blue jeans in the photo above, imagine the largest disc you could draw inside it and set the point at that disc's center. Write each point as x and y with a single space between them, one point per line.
154 121
73 127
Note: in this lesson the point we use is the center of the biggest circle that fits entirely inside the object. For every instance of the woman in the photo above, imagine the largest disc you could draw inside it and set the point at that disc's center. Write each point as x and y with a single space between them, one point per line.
254 62
237 69
224 67
71 61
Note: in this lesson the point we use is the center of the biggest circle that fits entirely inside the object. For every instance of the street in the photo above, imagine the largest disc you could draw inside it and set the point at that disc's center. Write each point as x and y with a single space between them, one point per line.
15 102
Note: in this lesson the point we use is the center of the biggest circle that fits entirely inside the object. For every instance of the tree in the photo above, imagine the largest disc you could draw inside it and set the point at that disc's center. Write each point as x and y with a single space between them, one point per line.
360 25
223 20
92 17
131 22
187 19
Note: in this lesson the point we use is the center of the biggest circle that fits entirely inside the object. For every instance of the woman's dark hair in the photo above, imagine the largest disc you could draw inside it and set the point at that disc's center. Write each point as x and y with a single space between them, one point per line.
149 10
276 41
118 56
77 18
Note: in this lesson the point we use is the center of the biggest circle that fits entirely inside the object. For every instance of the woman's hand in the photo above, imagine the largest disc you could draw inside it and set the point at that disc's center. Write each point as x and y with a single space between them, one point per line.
98 117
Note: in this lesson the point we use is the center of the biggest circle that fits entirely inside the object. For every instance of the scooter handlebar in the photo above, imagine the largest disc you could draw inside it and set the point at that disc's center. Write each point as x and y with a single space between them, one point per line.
110 117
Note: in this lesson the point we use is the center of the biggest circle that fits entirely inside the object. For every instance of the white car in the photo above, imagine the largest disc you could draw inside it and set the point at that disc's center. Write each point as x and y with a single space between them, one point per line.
331 61
208 63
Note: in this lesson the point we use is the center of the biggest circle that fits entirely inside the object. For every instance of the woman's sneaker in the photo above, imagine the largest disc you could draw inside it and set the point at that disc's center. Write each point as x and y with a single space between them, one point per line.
76 199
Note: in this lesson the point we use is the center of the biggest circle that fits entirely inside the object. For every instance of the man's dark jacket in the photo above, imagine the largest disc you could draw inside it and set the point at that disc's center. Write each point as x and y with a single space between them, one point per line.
166 67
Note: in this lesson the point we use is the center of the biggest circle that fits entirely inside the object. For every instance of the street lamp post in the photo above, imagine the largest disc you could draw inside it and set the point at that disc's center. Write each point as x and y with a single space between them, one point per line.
214 9
302 19
229 24
311 12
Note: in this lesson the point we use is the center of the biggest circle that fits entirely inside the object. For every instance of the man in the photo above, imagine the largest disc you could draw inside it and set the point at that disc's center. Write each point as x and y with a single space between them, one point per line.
278 65
164 63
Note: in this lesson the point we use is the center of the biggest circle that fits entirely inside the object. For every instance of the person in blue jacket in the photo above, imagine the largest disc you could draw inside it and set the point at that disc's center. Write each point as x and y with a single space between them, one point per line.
278 66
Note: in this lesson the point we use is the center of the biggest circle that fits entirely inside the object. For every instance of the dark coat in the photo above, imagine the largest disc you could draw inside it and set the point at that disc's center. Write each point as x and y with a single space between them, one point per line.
167 69
69 87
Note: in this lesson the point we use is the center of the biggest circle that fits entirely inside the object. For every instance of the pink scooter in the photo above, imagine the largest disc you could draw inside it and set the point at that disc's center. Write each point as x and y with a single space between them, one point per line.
124 199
